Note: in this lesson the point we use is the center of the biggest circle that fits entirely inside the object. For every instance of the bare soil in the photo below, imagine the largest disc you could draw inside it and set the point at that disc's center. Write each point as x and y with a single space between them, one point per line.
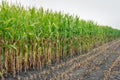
102 63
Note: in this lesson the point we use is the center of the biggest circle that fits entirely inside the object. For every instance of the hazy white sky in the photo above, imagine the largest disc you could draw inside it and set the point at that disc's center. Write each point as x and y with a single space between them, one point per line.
104 12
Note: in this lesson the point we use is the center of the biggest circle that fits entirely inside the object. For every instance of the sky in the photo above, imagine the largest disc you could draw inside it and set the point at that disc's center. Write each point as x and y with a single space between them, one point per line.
103 12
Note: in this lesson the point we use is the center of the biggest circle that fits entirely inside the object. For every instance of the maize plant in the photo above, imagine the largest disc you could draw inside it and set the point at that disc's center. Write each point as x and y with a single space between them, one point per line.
37 38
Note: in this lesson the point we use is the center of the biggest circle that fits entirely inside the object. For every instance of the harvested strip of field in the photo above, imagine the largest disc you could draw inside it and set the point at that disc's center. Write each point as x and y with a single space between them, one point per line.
94 68
114 70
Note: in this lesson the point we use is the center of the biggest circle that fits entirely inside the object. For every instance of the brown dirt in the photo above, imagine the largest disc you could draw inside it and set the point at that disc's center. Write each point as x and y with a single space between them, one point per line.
102 63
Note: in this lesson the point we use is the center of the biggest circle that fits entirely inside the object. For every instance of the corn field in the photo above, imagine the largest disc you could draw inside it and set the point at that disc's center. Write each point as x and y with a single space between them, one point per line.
35 38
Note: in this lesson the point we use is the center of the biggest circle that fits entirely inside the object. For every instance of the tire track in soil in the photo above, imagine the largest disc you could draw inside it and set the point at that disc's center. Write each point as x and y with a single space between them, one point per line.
87 70
114 70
